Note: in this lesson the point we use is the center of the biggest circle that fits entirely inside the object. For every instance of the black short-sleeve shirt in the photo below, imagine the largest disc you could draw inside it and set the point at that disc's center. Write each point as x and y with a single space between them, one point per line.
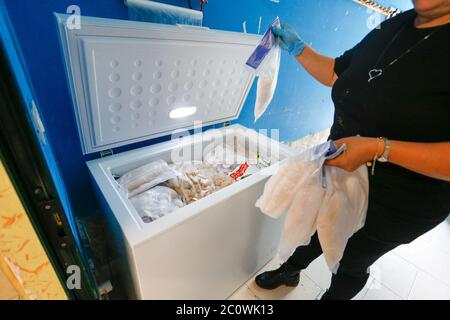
410 101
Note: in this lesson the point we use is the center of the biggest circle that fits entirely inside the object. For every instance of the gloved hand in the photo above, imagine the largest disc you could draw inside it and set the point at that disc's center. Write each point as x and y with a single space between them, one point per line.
289 39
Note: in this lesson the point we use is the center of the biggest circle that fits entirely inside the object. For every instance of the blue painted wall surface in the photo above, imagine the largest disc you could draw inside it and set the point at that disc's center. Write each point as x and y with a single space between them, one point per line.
7 41
300 105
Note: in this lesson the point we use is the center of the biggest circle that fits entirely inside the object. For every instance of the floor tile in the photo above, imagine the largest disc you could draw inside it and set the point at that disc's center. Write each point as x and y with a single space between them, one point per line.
318 272
244 293
377 291
441 237
428 258
427 287
364 290
395 273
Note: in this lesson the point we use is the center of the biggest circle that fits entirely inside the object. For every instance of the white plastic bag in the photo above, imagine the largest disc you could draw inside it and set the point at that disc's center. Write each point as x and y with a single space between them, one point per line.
279 191
197 180
265 62
301 219
343 211
267 82
225 156
146 177
318 198
156 202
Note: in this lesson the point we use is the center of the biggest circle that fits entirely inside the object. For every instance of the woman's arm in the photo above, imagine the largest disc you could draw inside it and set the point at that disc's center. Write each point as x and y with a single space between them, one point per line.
429 159
319 66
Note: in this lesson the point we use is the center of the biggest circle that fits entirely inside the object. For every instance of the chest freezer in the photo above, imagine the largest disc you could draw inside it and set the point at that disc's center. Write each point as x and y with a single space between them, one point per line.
132 81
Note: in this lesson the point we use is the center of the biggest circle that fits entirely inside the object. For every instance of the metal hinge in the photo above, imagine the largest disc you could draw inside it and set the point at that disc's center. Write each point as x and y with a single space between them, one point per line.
38 122
106 153
226 123
51 212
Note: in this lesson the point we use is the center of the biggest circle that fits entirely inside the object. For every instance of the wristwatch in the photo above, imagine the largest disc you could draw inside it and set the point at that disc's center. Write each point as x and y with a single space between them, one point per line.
387 148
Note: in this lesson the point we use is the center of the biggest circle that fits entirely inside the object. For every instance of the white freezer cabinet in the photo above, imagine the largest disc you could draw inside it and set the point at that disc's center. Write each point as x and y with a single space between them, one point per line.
132 81
205 250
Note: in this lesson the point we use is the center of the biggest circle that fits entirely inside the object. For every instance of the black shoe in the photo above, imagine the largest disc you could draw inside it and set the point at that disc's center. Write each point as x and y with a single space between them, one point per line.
286 275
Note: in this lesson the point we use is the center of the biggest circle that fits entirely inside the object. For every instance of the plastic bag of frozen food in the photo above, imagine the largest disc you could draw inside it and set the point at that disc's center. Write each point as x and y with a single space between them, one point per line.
197 180
156 202
279 191
146 177
317 198
265 62
225 156
343 211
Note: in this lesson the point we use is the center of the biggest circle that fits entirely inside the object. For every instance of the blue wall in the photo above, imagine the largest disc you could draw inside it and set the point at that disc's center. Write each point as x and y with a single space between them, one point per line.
300 105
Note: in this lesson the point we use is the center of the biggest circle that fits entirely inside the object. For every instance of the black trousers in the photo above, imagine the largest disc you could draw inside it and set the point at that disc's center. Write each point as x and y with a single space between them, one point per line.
399 211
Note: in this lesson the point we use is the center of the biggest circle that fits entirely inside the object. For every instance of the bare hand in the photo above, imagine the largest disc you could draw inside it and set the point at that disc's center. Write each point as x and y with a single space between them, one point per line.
359 151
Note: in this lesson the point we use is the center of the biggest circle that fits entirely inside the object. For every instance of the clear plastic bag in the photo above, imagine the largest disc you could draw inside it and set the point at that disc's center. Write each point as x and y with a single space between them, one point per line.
318 198
225 156
156 203
281 188
197 180
267 82
343 211
265 62
146 177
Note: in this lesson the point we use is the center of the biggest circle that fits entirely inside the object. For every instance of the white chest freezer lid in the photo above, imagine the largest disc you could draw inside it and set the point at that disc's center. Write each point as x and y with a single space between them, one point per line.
132 81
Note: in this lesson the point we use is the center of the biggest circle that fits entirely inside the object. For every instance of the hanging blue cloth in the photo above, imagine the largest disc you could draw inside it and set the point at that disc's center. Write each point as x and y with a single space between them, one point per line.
150 11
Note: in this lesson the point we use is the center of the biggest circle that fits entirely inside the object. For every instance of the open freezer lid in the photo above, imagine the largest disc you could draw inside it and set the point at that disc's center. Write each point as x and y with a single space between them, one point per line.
132 81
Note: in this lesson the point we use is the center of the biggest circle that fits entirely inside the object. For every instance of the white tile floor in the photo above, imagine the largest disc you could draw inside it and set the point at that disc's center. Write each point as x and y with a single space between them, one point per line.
420 270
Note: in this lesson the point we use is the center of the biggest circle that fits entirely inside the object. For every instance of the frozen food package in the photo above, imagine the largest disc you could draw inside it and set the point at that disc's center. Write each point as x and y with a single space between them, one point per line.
145 177
197 180
192 183
343 211
295 172
265 62
156 202
225 156
317 198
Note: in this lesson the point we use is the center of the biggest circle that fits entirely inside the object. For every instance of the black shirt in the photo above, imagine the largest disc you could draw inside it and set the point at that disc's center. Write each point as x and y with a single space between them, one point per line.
410 101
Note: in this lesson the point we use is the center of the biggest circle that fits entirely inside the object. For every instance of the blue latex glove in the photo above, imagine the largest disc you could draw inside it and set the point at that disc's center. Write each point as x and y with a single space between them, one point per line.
289 39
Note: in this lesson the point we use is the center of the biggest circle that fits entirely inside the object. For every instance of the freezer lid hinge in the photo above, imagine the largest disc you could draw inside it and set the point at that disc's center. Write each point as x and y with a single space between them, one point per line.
38 122
106 153
226 123
51 212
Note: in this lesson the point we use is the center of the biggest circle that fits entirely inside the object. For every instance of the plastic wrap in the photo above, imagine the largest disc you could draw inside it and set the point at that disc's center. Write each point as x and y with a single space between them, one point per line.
343 211
317 198
156 203
265 62
146 177
197 180
225 156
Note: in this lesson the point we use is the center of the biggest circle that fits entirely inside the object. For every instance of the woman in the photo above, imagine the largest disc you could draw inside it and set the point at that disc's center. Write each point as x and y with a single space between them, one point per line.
394 84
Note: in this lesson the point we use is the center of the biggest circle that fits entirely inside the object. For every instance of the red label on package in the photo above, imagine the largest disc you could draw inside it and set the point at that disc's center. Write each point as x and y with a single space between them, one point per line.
240 171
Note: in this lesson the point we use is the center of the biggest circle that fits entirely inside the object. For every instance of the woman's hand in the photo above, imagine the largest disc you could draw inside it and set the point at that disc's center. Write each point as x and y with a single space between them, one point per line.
359 151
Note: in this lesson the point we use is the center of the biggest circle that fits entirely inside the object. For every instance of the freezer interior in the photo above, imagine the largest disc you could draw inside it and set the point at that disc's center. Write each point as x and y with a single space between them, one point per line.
258 151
